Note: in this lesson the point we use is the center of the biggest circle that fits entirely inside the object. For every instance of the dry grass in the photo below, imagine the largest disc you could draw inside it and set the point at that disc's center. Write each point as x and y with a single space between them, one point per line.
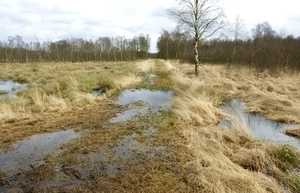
198 157
145 66
293 132
231 160
59 88
56 85
228 169
276 96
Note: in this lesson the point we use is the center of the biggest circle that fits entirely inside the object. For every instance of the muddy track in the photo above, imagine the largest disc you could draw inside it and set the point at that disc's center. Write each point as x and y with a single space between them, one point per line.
142 152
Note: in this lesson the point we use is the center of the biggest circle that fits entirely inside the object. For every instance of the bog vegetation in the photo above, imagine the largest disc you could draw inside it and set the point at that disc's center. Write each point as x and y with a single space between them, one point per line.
204 156
199 155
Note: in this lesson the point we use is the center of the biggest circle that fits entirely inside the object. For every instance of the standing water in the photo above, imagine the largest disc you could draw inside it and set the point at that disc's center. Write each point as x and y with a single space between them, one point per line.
10 88
33 150
258 125
153 102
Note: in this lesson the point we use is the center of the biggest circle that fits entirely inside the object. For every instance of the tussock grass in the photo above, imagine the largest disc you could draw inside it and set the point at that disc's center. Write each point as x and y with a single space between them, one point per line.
231 160
275 96
227 161
57 85
58 89
293 132
196 109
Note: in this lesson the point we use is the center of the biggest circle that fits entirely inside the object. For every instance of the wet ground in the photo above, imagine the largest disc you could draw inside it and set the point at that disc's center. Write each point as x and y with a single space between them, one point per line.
141 102
10 88
258 125
122 146
34 150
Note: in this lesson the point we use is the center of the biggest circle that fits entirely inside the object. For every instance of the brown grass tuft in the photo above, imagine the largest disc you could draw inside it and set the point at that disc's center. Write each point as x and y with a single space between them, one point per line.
293 132
196 109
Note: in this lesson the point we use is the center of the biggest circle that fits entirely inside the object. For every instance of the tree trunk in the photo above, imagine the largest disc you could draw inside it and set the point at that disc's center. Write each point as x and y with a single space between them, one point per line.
196 55
197 38
115 55
233 54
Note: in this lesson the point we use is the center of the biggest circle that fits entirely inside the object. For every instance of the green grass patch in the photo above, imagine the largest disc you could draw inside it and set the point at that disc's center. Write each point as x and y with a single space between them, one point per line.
157 81
163 120
293 181
285 157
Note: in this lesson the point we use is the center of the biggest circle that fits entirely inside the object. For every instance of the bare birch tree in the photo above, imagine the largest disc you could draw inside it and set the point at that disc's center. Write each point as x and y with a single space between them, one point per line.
238 34
200 17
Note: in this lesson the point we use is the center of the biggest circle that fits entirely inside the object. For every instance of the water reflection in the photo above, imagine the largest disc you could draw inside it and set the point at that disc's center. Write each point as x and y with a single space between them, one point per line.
153 101
10 87
33 150
258 125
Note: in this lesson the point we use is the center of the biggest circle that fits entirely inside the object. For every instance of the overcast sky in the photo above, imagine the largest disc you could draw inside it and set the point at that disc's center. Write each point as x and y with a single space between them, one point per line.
90 19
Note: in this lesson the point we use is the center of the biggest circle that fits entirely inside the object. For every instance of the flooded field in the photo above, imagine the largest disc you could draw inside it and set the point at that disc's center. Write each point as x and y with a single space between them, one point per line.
258 125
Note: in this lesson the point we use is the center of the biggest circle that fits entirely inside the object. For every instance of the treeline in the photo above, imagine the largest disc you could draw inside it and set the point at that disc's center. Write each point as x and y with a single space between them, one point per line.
266 49
75 49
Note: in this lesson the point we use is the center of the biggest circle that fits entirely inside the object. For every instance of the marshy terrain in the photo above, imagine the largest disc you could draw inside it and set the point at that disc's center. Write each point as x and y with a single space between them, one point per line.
148 126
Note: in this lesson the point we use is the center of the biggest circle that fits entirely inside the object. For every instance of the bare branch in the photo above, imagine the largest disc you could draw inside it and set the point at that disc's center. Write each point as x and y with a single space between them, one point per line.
201 17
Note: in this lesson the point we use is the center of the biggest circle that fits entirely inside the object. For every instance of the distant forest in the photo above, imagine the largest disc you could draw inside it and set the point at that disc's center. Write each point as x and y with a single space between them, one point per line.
266 49
75 49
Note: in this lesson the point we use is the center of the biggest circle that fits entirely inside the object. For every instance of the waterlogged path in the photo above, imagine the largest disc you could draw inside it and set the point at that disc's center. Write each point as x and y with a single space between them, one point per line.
34 151
150 102
122 145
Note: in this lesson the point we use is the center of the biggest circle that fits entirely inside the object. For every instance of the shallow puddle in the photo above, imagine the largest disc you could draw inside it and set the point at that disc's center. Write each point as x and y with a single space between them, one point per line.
258 125
129 145
111 159
150 102
33 151
150 79
10 88
98 92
